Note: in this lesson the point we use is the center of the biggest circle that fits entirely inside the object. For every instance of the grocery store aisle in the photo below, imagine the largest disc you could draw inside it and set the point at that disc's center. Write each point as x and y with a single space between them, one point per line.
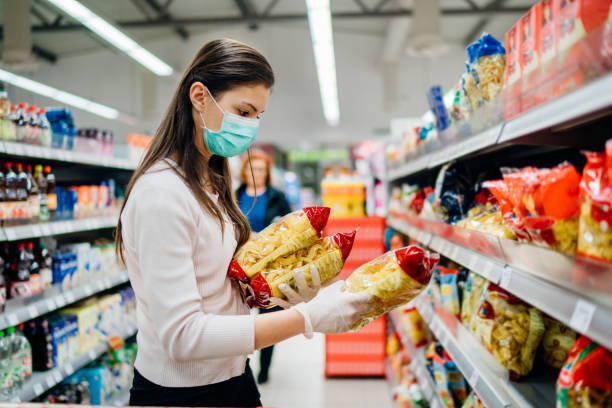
297 380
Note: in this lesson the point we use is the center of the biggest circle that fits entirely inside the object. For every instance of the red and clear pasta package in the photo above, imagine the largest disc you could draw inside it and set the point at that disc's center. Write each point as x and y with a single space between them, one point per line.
393 279
586 378
595 232
292 232
326 254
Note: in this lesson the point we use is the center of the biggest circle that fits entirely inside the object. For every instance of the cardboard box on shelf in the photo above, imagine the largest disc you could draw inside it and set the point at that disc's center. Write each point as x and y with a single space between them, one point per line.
577 18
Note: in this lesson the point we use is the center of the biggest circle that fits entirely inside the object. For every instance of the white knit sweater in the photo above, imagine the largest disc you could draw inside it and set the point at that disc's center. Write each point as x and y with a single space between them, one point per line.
193 327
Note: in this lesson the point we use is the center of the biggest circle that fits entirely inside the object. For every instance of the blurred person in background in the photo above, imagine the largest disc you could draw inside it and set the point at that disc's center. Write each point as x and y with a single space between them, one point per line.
262 204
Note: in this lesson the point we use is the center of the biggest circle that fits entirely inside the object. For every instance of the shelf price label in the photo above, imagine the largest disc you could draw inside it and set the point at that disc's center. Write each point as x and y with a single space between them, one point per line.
38 389
12 319
70 297
32 311
506 277
473 378
11 235
50 304
582 316
50 381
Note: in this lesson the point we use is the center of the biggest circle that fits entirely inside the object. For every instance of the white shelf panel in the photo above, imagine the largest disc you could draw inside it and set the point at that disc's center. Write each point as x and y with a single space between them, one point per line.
574 290
45 153
29 231
21 310
41 382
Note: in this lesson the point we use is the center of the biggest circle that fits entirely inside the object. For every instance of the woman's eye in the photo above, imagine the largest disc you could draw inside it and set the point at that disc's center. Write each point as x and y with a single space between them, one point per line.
243 113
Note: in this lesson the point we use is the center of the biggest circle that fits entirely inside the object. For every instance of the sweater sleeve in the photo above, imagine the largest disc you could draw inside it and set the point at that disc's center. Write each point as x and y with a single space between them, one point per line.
163 230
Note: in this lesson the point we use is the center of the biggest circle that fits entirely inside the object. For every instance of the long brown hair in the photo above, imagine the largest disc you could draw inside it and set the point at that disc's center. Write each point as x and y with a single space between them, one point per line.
220 65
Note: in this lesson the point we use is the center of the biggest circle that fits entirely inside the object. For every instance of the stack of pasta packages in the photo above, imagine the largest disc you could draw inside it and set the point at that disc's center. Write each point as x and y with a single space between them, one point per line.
295 243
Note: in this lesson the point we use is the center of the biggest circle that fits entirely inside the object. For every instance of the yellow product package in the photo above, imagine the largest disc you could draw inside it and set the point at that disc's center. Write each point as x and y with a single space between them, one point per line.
393 279
291 233
327 255
509 328
487 218
557 343
413 324
471 296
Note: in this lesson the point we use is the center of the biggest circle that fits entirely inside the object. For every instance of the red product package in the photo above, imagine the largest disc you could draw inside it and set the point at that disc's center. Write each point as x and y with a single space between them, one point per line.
530 40
548 36
513 58
586 378
327 255
577 18
595 234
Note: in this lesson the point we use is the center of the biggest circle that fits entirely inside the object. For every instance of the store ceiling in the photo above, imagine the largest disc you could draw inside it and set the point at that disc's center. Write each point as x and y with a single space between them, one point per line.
55 36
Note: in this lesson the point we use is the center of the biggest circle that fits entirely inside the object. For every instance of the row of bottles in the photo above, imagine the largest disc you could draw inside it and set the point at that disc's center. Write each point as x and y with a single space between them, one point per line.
23 123
15 362
27 196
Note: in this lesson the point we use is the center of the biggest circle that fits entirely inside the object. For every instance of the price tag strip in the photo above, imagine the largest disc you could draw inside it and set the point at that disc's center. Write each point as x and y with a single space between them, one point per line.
582 316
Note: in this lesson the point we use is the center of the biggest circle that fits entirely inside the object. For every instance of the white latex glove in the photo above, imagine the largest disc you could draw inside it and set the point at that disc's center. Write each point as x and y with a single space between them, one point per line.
304 292
334 310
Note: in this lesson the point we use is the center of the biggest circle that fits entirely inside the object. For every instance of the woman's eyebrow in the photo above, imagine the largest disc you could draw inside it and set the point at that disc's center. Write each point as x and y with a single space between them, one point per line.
252 106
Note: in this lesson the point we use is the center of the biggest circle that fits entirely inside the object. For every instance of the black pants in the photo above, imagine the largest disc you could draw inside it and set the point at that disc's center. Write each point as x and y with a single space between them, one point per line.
265 355
240 391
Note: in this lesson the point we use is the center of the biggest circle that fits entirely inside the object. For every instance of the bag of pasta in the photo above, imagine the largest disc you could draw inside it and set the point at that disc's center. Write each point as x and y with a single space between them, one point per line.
595 230
557 343
509 328
487 64
327 255
393 279
586 378
292 232
471 295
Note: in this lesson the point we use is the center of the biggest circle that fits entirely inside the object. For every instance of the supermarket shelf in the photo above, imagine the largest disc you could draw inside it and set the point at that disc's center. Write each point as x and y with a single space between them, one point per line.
56 228
485 375
120 399
574 290
588 99
417 365
40 382
45 153
21 310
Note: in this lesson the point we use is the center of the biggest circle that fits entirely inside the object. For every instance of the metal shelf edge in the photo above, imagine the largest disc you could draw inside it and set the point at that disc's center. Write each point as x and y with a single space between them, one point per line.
56 228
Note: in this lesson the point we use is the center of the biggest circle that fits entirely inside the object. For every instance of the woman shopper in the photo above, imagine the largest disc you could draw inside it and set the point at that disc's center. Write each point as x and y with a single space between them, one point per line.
178 230
262 204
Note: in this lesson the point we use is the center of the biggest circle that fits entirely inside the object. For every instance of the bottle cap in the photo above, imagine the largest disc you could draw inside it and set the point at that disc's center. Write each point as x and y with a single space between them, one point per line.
10 330
38 168
47 169
42 110
29 168
22 105
8 165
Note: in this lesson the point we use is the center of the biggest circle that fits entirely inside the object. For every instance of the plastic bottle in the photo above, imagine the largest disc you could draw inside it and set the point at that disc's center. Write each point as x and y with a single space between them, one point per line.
6 384
40 338
7 127
3 209
22 125
23 354
20 284
42 187
33 196
35 279
45 128
45 261
13 370
51 196
12 135
3 291
34 125
22 194
10 179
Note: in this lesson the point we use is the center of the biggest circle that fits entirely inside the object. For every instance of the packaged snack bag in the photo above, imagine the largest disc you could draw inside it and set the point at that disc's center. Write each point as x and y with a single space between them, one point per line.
413 324
509 328
473 401
487 61
471 296
586 378
327 255
393 344
487 218
449 289
595 234
441 380
393 279
455 380
577 18
289 234
557 343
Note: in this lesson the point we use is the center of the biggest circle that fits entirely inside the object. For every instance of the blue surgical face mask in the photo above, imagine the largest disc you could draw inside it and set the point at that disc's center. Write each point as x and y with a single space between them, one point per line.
236 135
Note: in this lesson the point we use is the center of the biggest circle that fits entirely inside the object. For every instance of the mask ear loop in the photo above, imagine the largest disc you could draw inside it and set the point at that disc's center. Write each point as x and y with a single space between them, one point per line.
253 178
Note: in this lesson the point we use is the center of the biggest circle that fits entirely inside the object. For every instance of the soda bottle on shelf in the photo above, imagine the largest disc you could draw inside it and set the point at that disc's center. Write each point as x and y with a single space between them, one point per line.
22 194
6 384
35 279
7 127
33 196
34 125
51 196
3 286
41 180
22 126
3 214
12 135
45 261
10 190
20 284
23 354
40 338
45 128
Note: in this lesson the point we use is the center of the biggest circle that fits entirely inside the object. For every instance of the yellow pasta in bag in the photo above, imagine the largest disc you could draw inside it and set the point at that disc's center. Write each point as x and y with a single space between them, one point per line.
393 279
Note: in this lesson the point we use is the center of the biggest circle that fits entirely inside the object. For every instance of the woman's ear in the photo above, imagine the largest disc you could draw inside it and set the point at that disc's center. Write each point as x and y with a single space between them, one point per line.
197 95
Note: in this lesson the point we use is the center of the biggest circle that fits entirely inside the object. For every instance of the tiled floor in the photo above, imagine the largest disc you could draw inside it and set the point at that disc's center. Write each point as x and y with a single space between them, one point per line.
297 380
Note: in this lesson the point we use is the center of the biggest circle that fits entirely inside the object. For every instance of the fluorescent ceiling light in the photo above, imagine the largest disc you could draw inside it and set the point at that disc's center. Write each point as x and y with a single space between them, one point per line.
58 95
113 35
319 20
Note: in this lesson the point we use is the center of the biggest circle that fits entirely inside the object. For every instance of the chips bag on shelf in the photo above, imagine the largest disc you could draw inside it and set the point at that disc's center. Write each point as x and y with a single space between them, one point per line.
473 401
471 296
487 64
327 255
557 343
393 279
509 328
449 289
456 382
487 218
586 378
441 380
595 232
292 232
414 325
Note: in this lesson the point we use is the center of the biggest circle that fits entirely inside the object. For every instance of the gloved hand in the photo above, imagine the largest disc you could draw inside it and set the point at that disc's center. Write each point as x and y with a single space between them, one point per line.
304 293
334 309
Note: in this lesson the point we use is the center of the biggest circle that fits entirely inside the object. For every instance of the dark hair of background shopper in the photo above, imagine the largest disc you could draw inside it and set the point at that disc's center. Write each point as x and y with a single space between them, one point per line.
179 227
